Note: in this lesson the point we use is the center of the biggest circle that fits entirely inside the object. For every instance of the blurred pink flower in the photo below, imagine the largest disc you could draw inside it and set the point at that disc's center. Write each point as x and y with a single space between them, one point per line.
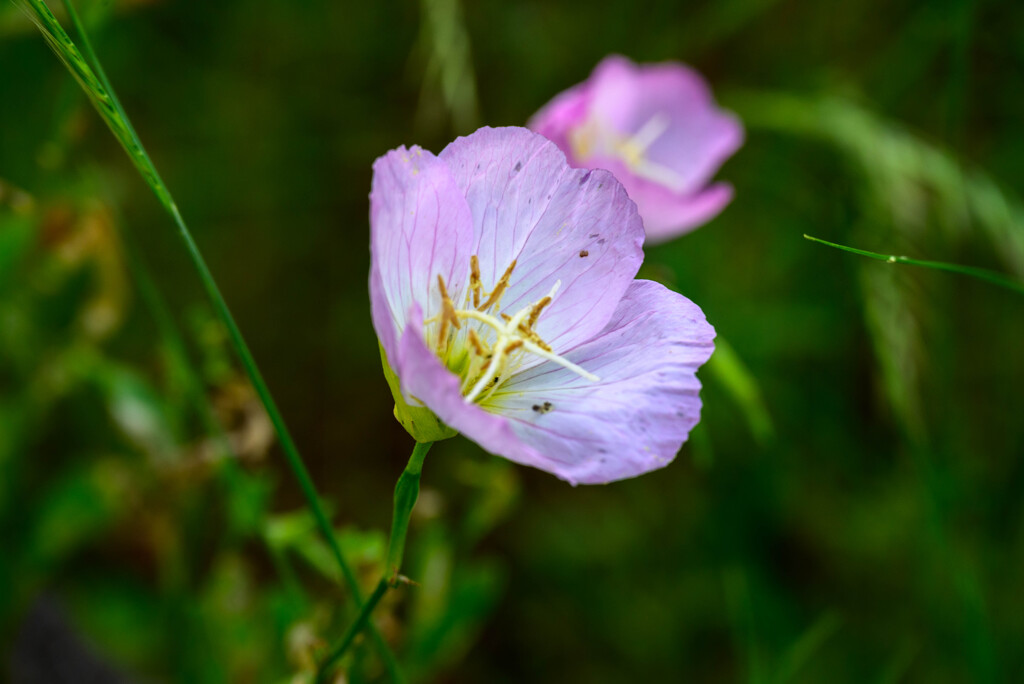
657 128
503 293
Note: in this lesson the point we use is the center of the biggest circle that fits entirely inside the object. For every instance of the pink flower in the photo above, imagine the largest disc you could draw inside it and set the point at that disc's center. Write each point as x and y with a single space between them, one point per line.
503 295
657 128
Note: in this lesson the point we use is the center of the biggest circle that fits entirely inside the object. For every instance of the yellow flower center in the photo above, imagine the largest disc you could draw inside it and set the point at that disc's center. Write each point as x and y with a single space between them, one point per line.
484 346
593 138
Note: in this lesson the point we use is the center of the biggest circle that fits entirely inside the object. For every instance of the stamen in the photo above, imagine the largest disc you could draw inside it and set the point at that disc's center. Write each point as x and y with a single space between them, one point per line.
535 312
447 313
535 338
474 341
474 280
499 289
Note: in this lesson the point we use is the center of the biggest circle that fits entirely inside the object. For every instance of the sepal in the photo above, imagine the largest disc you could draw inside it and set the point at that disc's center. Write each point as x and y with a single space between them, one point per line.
418 421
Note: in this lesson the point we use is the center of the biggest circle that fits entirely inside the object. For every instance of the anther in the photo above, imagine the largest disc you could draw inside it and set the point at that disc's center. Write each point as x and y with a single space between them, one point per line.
499 289
535 312
474 341
535 338
447 313
474 280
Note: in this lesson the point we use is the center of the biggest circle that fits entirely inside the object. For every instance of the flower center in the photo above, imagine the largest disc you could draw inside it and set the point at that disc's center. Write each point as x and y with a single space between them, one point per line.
593 138
484 346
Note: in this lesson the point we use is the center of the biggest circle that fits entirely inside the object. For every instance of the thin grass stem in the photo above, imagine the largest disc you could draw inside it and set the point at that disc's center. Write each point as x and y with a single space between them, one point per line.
99 91
980 273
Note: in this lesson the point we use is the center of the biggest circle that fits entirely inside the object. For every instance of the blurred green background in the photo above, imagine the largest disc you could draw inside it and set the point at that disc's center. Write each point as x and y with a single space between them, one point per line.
850 509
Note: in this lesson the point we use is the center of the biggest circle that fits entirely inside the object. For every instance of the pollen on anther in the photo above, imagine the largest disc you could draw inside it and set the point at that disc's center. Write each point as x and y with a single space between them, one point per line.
499 289
448 316
474 341
537 308
474 280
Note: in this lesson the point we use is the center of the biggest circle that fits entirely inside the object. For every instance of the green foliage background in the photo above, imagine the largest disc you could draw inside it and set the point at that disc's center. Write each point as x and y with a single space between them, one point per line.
851 508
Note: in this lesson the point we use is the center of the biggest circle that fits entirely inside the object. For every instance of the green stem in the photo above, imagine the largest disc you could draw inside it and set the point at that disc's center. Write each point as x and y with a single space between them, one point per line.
94 82
407 490
979 273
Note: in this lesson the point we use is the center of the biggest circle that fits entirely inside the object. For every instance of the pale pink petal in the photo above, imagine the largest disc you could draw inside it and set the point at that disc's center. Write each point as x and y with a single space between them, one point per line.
559 224
668 112
420 227
669 214
624 97
640 412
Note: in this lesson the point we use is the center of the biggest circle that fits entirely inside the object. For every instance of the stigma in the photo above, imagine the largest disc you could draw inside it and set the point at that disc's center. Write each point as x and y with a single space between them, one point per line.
483 345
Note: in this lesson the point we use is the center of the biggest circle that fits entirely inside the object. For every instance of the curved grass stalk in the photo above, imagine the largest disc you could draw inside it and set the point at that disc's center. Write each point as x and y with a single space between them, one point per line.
99 91
972 271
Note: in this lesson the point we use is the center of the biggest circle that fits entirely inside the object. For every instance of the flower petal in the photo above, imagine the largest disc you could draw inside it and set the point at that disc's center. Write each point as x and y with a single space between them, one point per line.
557 223
420 227
668 214
641 411
699 137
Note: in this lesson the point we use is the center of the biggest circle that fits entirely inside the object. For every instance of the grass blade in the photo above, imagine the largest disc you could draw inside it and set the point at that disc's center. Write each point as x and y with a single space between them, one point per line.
974 272
97 88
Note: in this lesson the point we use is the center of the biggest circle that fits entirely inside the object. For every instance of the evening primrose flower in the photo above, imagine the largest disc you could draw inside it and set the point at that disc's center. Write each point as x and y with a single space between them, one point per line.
503 295
657 128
